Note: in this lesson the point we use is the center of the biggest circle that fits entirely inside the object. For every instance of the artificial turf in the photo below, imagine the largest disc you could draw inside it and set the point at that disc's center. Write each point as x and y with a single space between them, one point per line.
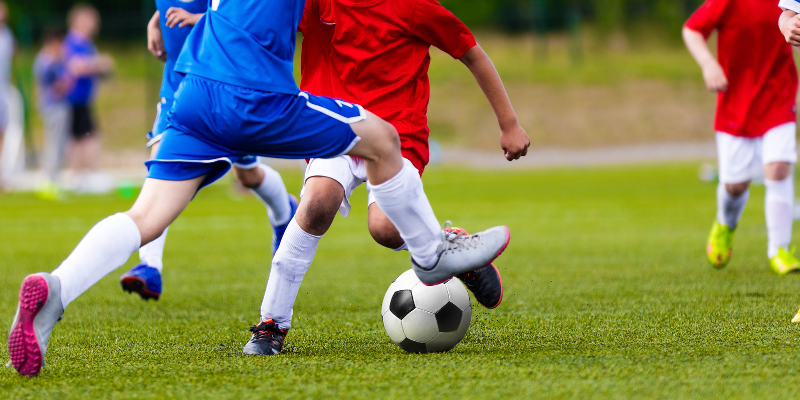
607 295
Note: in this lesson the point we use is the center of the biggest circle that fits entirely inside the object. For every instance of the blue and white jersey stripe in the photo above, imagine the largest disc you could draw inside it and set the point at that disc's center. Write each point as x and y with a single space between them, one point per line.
793 5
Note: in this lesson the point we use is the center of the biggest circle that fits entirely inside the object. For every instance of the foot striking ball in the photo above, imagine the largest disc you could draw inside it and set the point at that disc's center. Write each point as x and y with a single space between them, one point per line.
423 319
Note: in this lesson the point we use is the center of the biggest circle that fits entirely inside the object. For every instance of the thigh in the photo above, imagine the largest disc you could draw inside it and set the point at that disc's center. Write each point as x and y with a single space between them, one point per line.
737 157
159 204
779 145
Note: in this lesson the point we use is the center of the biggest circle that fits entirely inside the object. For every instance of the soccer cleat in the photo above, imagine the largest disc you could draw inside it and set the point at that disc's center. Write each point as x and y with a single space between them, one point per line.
37 313
485 283
796 318
266 339
278 231
144 280
459 253
720 245
784 262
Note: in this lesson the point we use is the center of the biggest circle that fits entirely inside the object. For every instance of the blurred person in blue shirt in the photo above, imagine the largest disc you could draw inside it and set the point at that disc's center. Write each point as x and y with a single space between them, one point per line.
53 84
86 66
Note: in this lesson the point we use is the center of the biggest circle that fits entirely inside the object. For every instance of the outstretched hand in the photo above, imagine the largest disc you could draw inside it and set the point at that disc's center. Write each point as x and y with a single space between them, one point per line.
180 18
515 143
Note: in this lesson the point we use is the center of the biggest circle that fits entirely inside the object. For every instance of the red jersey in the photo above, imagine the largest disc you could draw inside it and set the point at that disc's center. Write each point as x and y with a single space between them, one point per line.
379 58
762 78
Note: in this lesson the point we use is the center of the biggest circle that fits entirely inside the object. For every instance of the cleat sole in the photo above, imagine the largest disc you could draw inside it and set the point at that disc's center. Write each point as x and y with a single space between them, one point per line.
23 346
134 284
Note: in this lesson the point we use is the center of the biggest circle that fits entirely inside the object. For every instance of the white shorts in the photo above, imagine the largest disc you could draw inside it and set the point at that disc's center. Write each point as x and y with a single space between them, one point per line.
741 159
350 172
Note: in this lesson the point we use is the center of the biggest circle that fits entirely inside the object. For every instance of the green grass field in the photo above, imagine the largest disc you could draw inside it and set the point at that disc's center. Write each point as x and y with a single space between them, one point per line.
608 295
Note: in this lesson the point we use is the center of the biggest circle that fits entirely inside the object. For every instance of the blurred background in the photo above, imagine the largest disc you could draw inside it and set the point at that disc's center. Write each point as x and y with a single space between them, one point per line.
593 81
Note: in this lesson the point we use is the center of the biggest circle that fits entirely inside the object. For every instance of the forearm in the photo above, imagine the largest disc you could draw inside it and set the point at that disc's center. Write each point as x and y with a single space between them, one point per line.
155 22
490 83
698 47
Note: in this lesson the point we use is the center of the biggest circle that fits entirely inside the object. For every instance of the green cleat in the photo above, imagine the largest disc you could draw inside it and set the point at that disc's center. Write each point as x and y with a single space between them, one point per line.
784 262
720 245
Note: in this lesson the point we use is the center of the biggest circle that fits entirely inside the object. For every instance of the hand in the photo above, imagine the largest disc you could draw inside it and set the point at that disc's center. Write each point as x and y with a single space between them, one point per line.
515 142
715 78
155 42
791 30
180 17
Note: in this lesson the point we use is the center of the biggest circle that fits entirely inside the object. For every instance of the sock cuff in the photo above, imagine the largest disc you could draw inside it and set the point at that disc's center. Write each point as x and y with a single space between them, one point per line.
782 190
124 221
396 184
297 244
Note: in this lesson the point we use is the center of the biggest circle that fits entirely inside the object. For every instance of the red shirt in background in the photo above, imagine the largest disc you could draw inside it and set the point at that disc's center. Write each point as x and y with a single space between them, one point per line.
762 77
379 59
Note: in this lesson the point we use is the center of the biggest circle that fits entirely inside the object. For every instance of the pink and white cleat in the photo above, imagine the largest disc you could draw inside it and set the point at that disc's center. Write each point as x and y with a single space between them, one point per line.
38 311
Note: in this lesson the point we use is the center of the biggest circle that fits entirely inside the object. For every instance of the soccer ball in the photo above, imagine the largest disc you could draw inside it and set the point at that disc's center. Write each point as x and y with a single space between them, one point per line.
423 319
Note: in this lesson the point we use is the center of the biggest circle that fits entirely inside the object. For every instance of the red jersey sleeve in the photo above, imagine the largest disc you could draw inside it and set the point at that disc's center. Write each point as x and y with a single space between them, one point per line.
709 17
437 26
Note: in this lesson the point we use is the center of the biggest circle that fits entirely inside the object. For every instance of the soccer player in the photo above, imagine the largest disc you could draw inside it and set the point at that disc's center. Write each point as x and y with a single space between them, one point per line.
239 98
167 31
377 54
756 81
86 66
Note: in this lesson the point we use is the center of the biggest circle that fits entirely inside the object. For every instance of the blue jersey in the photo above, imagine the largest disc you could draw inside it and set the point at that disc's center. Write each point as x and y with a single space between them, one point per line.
174 39
78 46
246 43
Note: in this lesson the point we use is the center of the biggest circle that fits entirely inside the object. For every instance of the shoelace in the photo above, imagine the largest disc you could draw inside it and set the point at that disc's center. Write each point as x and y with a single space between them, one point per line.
265 332
454 241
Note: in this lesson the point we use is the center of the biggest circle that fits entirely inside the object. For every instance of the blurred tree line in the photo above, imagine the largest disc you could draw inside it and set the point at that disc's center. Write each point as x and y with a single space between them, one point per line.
124 19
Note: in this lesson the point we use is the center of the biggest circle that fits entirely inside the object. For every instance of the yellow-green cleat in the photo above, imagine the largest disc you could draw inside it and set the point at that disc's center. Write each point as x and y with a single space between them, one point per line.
785 262
720 245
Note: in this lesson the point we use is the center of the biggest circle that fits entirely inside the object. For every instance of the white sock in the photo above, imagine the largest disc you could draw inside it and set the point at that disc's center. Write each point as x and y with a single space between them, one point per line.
272 193
106 247
402 247
289 265
152 253
729 208
779 210
404 202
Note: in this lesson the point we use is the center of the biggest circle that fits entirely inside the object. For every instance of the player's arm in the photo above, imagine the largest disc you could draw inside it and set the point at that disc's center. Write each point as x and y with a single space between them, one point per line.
155 41
714 76
180 18
514 140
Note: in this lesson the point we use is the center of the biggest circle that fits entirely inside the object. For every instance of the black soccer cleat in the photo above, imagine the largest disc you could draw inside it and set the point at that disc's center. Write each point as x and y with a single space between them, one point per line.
266 340
485 284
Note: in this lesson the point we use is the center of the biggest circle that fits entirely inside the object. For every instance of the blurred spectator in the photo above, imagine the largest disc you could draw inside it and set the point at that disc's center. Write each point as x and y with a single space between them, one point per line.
53 83
86 66
6 54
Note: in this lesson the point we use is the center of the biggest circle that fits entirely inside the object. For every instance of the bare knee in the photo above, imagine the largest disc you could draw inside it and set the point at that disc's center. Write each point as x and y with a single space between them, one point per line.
777 171
382 230
379 139
737 189
321 199
250 178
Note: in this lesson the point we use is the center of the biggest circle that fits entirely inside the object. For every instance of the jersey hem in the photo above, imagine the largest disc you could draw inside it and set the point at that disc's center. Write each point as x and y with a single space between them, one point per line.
235 81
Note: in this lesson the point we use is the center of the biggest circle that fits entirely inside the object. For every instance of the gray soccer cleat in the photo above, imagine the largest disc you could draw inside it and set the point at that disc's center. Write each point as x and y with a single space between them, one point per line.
464 253
38 311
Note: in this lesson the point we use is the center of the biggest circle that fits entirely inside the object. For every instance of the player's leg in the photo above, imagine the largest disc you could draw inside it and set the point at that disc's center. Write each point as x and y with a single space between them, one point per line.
323 195
397 188
779 156
485 283
736 159
106 247
145 278
268 186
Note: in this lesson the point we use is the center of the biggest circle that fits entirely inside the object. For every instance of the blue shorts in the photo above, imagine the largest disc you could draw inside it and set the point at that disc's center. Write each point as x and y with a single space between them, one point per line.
213 125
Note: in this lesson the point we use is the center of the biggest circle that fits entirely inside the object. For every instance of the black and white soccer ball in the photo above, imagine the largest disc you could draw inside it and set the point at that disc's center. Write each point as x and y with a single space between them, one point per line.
423 319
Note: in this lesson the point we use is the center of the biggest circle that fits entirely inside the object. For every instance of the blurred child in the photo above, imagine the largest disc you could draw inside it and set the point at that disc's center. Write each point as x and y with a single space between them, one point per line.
87 67
53 83
756 81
